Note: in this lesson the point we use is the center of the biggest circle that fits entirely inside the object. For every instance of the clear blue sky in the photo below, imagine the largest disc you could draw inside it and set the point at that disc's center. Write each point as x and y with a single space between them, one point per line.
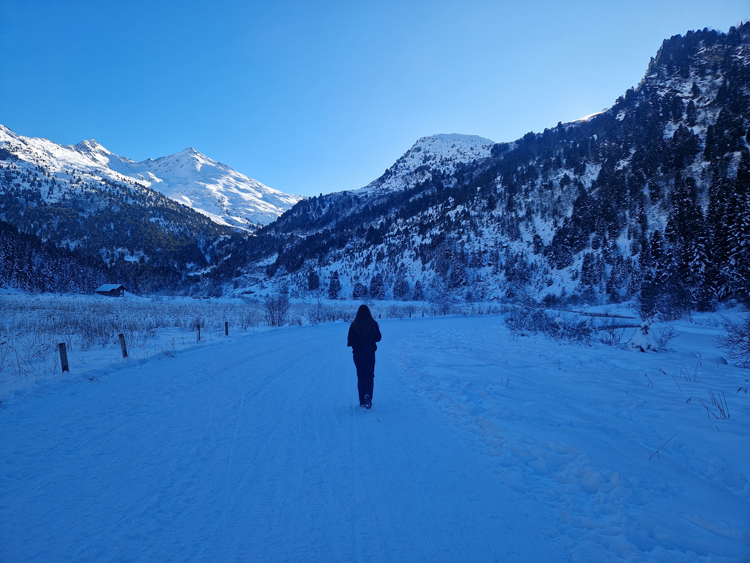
311 97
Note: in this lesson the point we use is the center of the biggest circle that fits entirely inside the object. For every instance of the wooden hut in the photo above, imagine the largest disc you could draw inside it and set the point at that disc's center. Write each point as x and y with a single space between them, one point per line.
112 290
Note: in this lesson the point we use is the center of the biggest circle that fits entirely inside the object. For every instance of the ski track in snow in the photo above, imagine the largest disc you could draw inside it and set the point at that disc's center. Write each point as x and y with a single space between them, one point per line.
255 449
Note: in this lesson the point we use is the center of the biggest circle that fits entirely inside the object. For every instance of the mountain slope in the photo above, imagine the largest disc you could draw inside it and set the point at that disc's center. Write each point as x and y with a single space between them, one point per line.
29 264
152 241
189 177
104 207
649 199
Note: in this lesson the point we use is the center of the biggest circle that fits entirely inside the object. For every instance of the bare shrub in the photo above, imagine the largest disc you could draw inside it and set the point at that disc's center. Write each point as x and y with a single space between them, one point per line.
571 329
277 308
610 333
400 311
664 336
317 312
249 316
736 340
528 321
525 320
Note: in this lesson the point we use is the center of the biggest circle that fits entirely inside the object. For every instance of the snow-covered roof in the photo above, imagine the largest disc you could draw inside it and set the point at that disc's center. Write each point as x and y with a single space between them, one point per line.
110 287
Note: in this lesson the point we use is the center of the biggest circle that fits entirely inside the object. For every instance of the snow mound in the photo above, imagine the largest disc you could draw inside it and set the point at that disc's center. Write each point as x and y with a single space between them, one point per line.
643 340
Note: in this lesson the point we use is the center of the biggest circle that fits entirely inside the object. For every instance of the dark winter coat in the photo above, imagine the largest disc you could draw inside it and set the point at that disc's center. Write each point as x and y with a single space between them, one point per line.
365 341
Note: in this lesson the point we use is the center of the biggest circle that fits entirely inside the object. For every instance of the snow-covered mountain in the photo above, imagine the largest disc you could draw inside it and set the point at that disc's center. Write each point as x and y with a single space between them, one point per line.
71 198
188 177
647 200
438 153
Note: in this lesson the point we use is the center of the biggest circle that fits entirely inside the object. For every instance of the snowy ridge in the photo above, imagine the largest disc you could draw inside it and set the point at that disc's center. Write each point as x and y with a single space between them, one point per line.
188 177
435 153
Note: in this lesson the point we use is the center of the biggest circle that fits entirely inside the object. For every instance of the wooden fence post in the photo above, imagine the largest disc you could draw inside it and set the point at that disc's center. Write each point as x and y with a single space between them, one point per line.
122 346
63 357
226 328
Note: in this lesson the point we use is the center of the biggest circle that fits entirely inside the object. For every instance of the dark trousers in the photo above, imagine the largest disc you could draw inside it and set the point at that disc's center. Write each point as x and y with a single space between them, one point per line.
365 364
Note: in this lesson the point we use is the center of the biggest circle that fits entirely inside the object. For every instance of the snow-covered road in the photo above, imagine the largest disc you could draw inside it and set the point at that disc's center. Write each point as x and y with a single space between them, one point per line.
255 449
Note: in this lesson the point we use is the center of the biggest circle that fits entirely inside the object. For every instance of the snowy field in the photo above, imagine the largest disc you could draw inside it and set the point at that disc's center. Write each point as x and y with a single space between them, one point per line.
32 326
482 445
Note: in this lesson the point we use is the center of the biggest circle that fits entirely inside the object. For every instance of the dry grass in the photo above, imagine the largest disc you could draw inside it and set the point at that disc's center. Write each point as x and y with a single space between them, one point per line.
31 327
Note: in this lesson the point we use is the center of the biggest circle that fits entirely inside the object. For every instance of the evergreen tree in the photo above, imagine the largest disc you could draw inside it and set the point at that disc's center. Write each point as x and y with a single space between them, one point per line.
691 114
517 271
334 286
313 280
538 244
377 287
458 276
589 274
618 278
687 237
400 287
635 281
719 222
701 291
418 291
737 269
360 290
649 296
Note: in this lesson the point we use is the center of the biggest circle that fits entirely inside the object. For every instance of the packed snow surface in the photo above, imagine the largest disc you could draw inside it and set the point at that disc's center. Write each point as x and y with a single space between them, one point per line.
481 446
189 177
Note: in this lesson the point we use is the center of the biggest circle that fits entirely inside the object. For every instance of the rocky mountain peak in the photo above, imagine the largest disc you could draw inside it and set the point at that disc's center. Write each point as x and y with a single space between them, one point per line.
436 153
188 177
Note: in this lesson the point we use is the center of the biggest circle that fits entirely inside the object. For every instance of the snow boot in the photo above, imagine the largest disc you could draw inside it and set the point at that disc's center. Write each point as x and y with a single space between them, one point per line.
368 402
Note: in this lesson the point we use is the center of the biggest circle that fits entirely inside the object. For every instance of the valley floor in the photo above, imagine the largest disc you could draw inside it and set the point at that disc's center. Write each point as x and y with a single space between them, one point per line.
481 446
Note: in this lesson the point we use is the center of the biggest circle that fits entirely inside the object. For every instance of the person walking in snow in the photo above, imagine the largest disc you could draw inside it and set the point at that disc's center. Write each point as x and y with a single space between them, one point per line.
364 333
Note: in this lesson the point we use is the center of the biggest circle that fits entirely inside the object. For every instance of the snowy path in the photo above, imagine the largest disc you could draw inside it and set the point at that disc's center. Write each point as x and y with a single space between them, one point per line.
254 449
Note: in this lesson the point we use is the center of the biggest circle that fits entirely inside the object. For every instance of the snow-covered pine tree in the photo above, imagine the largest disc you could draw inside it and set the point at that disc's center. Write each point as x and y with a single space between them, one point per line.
313 280
334 286
400 286
377 287
418 291
738 267
359 291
